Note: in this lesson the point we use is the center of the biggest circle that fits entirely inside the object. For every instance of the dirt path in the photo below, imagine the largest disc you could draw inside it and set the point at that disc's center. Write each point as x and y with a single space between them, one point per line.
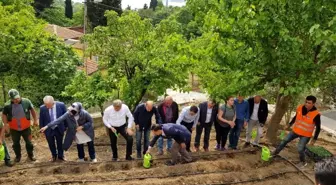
217 168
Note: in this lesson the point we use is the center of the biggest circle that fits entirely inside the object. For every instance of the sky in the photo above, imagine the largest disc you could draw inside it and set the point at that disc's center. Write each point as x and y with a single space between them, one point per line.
140 3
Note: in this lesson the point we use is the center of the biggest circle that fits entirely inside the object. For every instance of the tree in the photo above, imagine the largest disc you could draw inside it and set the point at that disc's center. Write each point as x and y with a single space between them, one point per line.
92 90
145 6
55 15
128 7
153 4
40 5
78 18
139 57
97 10
40 64
247 44
68 9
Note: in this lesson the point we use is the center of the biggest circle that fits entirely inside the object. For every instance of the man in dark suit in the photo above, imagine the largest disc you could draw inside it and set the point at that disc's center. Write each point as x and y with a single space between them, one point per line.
208 113
258 117
169 113
50 111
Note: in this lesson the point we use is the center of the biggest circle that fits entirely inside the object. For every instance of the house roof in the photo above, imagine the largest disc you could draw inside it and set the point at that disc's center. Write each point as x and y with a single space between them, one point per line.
90 67
62 32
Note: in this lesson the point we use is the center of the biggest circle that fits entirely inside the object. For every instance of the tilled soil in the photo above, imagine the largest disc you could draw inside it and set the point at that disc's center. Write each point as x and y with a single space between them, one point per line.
210 168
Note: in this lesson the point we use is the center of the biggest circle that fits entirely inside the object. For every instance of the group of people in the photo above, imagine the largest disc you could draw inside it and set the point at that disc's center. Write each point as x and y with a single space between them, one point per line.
62 126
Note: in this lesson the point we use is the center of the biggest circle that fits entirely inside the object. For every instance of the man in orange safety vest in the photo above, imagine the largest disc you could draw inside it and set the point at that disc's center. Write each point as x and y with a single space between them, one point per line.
305 121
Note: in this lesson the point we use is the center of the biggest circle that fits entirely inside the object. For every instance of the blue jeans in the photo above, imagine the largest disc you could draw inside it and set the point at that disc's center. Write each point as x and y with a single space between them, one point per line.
160 144
301 146
235 133
138 136
81 153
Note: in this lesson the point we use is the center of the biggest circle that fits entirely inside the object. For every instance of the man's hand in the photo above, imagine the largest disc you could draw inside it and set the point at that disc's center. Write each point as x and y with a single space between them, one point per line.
192 129
79 128
35 123
312 142
198 124
183 145
113 130
245 123
262 124
129 132
43 129
137 127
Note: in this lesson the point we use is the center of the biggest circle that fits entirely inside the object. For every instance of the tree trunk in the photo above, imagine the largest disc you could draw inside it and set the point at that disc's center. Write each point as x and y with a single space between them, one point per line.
101 110
143 92
280 110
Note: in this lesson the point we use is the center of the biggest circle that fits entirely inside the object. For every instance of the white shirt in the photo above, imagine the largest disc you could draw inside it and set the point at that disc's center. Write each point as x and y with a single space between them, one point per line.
114 118
186 117
54 112
254 115
208 116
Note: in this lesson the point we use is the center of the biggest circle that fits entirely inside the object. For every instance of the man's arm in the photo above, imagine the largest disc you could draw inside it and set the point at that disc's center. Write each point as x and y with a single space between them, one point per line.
130 118
5 122
106 118
157 116
153 141
41 118
176 110
136 115
317 121
180 118
196 119
247 112
293 121
33 113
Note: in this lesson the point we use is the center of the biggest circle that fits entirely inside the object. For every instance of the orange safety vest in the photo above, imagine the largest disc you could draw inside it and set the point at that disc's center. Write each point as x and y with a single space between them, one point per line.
24 124
304 124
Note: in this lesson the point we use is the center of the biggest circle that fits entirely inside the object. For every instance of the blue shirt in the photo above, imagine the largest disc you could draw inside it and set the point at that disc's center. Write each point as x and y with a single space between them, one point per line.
242 110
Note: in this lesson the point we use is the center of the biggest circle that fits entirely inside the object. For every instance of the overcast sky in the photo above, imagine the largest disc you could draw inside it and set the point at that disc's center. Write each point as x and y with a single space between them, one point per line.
140 3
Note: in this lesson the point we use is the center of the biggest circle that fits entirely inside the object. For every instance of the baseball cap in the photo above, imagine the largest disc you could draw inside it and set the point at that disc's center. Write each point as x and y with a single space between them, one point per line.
13 94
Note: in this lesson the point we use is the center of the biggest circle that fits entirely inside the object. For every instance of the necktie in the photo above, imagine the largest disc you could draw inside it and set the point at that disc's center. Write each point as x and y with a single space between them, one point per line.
52 117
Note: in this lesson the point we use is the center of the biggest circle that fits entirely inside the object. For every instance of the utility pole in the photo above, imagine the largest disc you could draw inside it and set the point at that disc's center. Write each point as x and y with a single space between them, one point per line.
167 3
84 32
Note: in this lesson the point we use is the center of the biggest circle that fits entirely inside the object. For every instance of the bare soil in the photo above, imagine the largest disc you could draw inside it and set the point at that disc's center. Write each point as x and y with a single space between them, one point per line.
210 168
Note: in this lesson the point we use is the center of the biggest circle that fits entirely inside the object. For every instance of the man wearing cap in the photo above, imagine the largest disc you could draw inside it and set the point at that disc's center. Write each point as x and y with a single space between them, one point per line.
2 142
50 111
79 129
16 113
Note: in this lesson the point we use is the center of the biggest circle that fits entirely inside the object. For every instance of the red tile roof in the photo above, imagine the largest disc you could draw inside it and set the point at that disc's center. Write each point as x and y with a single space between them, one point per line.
90 67
62 32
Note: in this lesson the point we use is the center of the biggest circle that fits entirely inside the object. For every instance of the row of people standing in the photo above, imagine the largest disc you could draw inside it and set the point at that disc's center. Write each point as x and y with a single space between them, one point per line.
228 119
55 119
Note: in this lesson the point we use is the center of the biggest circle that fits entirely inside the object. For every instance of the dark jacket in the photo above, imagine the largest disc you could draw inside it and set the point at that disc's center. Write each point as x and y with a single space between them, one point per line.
143 118
45 118
84 120
203 108
175 110
262 112
177 132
